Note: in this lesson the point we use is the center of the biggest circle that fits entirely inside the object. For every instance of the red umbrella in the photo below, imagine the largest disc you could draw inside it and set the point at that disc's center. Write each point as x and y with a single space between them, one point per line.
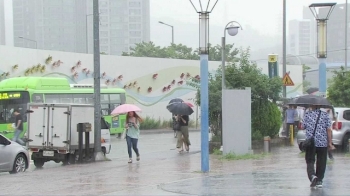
189 104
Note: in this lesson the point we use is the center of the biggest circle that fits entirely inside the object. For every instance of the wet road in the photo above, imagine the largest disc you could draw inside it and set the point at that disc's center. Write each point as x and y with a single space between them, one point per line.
162 171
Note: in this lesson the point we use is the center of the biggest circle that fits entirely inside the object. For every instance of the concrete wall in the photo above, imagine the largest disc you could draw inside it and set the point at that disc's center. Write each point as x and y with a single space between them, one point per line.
133 69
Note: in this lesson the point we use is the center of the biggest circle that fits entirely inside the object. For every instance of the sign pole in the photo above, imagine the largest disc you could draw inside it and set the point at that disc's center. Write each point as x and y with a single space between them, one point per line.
273 65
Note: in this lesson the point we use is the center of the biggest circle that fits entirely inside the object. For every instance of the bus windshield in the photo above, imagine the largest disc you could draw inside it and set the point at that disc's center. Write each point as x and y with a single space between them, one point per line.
9 101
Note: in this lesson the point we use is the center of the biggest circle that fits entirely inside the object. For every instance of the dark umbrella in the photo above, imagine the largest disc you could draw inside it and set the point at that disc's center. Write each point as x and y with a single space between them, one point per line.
312 100
176 100
292 102
180 108
312 90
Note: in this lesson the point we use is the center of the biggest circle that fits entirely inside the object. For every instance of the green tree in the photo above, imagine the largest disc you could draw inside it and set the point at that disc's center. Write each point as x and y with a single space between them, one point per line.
306 84
266 118
179 51
339 88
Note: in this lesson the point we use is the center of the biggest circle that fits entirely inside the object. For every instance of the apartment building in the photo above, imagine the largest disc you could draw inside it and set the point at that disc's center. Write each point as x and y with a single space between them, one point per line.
67 25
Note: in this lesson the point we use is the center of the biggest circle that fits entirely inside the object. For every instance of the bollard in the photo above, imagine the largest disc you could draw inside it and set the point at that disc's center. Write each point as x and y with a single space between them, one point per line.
291 134
80 143
267 141
81 128
349 145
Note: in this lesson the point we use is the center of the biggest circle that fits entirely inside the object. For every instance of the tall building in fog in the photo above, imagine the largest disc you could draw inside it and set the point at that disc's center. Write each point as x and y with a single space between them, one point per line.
302 37
67 25
2 22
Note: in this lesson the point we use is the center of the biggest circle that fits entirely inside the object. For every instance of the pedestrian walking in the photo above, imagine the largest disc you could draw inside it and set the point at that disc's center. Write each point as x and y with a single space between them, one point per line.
18 126
289 119
318 128
296 119
333 117
182 134
174 125
132 126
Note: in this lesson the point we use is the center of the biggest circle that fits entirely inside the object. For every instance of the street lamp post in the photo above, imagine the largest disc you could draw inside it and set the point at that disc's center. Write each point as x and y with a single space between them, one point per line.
172 30
97 83
321 16
36 43
204 9
232 31
86 26
346 35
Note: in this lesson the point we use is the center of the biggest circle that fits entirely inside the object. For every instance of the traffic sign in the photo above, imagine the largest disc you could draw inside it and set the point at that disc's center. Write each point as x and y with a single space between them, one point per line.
287 81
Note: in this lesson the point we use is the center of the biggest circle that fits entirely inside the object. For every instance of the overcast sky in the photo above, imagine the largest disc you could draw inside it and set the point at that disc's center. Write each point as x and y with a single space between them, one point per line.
259 18
256 16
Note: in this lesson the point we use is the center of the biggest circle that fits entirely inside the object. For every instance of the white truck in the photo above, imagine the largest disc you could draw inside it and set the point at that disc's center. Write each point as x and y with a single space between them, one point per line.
52 132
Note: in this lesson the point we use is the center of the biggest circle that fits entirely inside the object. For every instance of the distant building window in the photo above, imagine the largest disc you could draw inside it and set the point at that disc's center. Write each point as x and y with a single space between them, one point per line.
135 26
135 33
134 4
134 11
135 19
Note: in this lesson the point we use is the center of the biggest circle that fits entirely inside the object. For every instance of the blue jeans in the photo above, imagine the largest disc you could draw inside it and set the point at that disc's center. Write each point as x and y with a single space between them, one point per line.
132 142
16 137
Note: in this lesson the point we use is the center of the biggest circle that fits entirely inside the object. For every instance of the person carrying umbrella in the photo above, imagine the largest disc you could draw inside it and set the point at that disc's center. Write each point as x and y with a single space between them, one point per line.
291 113
132 126
318 130
182 135
183 111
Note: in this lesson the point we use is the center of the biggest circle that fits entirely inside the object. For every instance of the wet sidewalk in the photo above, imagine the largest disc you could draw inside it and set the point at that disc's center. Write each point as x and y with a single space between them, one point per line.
162 171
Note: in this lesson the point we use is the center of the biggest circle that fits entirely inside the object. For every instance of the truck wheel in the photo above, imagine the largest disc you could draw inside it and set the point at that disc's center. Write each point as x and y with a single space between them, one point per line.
39 163
20 164
346 142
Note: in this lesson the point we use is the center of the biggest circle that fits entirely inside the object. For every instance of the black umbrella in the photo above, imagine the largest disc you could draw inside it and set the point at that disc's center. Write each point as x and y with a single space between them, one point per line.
292 102
180 108
312 100
312 90
176 100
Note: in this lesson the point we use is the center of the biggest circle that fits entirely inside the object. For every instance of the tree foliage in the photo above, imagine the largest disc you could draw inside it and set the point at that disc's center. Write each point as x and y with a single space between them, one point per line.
179 51
306 84
339 88
266 118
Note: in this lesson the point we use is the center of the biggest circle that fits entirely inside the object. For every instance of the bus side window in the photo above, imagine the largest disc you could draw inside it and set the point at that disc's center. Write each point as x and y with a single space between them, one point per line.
66 98
52 98
37 98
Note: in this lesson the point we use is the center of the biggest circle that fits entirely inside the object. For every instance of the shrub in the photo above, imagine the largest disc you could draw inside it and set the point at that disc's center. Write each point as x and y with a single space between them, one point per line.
266 119
150 123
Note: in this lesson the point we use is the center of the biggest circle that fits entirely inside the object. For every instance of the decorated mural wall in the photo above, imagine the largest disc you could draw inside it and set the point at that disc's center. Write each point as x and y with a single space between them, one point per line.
150 82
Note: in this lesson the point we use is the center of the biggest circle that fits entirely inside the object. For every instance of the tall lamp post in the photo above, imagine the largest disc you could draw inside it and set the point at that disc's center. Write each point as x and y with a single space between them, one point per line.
232 30
346 35
35 42
172 30
97 83
319 10
204 9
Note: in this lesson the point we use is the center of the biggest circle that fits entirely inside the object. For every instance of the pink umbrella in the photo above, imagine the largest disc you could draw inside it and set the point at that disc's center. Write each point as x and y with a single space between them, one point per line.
125 108
189 104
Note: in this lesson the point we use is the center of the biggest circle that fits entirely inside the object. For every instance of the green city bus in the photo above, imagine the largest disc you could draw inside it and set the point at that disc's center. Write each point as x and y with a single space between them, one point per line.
16 93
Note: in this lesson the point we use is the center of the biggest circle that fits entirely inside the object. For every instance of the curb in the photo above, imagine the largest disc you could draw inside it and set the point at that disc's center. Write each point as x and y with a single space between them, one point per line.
160 131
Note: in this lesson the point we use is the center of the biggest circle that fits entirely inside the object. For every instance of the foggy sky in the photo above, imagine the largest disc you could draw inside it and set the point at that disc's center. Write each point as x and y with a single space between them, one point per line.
261 21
